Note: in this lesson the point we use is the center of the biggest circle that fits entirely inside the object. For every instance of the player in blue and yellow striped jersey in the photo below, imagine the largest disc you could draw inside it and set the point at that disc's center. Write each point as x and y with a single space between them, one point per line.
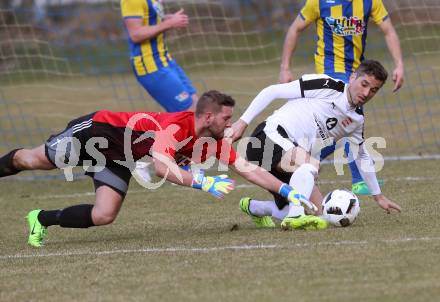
341 28
152 64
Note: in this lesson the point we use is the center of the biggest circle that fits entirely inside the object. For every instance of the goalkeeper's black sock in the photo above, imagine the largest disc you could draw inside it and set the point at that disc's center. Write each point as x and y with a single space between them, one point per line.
6 166
48 218
79 216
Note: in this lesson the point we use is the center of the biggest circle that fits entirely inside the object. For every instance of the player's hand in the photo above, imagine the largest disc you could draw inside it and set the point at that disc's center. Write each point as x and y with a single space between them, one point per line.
218 186
296 198
398 77
236 130
285 76
386 203
177 20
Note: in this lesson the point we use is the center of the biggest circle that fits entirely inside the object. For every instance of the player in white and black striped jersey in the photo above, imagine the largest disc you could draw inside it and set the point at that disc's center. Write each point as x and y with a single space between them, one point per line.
320 110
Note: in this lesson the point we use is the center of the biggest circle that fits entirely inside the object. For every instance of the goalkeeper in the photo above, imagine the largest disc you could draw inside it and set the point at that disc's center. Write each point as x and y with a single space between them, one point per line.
109 143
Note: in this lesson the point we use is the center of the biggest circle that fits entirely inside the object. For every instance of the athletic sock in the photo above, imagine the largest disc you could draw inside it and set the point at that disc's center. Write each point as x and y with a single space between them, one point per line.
355 174
6 166
303 180
79 216
48 218
260 208
267 208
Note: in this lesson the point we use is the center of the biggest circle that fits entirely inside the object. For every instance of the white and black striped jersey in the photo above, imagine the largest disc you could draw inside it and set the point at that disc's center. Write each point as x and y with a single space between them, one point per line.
316 115
317 111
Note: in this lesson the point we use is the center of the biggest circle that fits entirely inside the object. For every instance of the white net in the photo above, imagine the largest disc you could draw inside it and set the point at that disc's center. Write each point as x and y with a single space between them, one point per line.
62 59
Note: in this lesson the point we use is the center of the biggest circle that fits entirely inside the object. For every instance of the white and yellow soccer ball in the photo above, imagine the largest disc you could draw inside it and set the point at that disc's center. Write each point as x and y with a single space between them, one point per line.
340 207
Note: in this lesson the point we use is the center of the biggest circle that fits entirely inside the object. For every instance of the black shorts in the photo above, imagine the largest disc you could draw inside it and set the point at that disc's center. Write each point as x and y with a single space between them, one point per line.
72 152
268 156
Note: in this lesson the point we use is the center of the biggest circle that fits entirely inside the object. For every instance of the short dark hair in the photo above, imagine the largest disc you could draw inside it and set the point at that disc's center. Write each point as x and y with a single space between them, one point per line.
372 68
213 100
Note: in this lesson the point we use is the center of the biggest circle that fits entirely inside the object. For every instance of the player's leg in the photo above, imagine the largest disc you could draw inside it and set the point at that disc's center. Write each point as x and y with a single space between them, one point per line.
259 211
305 171
107 205
167 89
111 185
358 185
316 198
187 83
24 159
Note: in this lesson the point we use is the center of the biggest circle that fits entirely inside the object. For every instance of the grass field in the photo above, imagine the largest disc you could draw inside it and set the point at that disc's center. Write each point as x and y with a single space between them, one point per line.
177 244
164 247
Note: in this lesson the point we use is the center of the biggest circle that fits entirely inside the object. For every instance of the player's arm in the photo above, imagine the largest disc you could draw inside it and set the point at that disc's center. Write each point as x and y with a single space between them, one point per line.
393 44
163 151
291 90
166 167
139 32
289 47
265 180
366 167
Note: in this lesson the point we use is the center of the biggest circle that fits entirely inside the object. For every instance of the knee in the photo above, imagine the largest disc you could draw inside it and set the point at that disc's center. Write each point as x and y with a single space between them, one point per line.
103 218
22 160
312 169
27 160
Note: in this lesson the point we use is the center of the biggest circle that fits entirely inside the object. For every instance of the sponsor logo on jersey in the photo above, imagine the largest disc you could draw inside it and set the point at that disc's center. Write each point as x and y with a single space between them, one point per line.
326 83
182 96
322 130
346 26
346 122
331 123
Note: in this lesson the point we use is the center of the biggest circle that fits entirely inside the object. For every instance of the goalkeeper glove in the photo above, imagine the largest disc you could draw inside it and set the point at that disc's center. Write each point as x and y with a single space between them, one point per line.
296 198
216 185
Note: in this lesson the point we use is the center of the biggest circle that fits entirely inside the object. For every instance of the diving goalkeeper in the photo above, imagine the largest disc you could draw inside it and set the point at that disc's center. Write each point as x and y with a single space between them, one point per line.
107 145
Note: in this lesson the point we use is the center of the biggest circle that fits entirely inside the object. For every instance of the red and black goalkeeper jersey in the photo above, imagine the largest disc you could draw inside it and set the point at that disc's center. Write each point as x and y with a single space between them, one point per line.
173 134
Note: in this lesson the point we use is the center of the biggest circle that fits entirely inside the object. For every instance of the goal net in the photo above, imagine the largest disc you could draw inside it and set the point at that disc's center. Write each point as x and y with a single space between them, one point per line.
60 59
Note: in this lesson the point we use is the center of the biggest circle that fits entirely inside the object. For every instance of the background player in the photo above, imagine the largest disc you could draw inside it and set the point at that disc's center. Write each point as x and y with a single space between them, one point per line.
102 136
320 110
341 29
153 66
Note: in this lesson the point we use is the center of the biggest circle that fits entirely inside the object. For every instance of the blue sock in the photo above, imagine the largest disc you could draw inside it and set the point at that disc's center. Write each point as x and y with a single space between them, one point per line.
326 151
355 174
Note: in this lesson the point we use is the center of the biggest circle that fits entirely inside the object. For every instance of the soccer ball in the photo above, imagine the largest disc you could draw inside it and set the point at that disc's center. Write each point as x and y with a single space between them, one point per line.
340 207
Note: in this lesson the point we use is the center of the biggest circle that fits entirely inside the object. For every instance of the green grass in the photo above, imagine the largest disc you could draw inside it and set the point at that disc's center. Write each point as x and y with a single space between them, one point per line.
379 258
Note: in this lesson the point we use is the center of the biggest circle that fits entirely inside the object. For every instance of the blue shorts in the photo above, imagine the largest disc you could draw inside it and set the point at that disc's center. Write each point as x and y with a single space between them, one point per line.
169 86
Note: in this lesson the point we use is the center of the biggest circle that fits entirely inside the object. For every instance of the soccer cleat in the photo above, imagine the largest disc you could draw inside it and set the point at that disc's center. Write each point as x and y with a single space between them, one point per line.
260 222
37 232
304 222
361 188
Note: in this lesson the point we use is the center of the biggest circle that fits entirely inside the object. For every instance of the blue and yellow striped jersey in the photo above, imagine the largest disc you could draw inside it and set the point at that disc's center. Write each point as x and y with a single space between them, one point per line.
341 31
152 54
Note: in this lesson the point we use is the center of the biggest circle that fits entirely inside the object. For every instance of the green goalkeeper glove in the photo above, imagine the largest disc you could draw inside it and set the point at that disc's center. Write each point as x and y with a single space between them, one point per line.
216 185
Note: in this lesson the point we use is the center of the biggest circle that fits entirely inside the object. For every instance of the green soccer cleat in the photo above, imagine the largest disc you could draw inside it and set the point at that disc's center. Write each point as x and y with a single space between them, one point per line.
361 188
260 222
37 232
304 222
